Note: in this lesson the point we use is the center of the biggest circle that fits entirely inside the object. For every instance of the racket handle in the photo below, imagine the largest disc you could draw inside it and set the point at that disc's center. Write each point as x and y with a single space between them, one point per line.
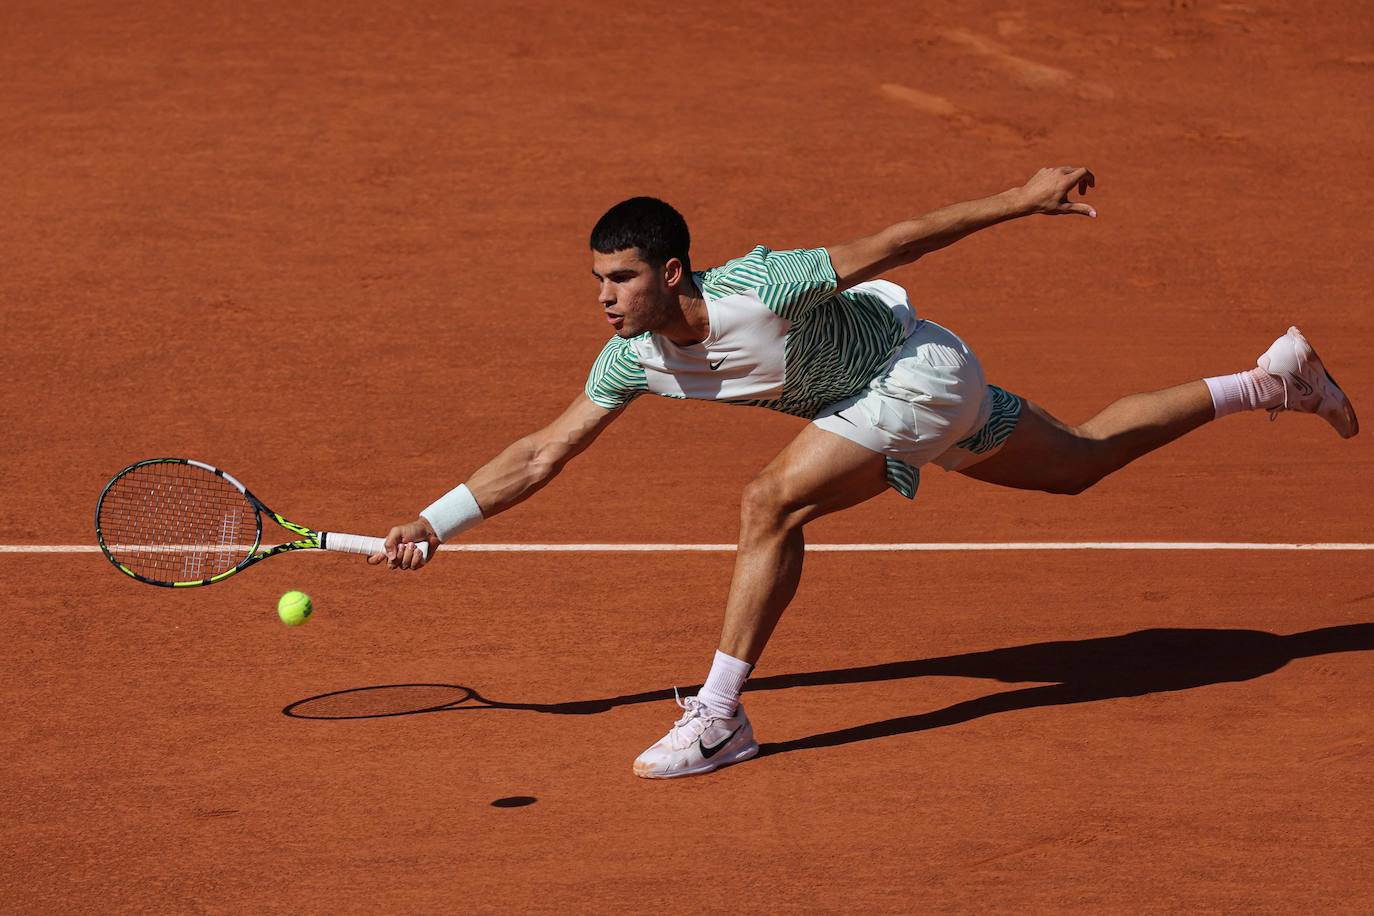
358 543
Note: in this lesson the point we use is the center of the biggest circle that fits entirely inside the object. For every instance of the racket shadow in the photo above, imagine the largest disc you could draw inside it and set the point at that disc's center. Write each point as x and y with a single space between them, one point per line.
388 700
1065 672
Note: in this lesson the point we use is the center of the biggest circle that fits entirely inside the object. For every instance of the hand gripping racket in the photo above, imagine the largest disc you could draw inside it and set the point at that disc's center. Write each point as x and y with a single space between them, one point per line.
180 523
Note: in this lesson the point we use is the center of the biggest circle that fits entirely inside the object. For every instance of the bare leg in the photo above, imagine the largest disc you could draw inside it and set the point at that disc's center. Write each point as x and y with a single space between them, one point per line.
1044 454
819 473
816 474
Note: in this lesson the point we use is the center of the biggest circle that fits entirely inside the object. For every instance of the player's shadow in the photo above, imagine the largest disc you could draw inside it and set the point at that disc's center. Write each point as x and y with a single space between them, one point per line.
1080 671
1065 672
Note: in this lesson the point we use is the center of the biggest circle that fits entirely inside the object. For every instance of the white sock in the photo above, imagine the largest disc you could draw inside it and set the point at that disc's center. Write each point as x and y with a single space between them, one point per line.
1244 391
720 694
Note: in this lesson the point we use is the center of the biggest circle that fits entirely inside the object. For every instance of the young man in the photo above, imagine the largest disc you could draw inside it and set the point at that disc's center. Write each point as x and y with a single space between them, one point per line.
814 333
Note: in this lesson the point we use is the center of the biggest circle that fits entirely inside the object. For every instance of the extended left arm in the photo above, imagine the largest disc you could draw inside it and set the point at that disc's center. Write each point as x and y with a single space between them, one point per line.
1046 192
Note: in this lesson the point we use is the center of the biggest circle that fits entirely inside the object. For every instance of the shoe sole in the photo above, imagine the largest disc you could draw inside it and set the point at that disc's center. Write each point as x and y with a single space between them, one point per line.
707 766
1351 427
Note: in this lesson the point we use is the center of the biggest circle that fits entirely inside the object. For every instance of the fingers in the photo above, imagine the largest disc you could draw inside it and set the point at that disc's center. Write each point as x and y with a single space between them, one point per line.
401 547
1086 179
408 556
1079 208
412 558
389 546
1070 175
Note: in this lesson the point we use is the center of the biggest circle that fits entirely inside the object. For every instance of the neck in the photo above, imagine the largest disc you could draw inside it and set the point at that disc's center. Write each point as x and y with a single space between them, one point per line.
693 322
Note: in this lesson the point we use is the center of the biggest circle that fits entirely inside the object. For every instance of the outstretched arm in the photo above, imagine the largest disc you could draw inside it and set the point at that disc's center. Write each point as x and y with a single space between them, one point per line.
1047 192
523 468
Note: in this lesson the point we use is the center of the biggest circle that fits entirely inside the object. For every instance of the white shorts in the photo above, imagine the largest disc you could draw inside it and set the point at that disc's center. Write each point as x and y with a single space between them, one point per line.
931 404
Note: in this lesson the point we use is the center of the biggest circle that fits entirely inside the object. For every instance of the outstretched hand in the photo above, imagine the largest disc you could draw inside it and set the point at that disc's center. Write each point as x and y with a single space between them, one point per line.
1048 191
401 551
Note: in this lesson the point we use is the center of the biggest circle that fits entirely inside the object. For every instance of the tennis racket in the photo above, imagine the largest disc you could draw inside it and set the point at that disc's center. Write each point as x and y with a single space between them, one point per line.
181 523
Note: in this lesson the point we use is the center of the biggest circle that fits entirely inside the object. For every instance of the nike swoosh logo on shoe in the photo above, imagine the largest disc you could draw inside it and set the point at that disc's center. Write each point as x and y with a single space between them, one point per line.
1302 386
709 752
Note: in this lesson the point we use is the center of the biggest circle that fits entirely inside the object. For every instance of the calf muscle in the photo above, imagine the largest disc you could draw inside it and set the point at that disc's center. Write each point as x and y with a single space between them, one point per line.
1045 454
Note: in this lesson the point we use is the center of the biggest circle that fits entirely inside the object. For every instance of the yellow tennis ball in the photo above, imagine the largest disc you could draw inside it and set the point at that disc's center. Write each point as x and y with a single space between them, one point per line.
294 608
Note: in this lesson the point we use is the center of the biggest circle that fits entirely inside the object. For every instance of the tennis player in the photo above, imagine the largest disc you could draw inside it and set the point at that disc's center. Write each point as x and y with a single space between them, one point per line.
815 333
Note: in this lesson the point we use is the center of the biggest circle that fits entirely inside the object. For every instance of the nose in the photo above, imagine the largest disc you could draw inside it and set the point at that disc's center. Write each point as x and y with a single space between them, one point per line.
605 295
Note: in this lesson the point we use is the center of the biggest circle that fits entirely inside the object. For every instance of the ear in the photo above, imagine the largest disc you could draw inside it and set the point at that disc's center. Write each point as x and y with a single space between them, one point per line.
673 274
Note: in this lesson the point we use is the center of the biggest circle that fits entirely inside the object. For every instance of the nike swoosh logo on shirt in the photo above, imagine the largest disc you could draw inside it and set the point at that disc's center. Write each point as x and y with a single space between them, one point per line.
716 365
709 752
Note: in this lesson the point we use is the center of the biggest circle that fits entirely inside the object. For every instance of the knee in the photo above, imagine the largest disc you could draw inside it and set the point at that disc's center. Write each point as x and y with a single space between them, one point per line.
764 506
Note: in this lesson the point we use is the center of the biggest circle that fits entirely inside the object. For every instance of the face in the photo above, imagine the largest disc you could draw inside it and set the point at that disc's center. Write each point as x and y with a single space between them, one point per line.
635 295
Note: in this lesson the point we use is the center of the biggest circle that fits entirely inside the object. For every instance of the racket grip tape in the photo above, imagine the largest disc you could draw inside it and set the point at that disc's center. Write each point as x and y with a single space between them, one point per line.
357 543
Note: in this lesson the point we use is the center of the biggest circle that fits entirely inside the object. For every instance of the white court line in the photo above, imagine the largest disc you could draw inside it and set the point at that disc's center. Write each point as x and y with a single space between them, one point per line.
814 548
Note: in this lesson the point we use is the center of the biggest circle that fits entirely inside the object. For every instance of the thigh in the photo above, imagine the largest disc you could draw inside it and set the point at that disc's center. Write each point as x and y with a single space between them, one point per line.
819 472
1040 454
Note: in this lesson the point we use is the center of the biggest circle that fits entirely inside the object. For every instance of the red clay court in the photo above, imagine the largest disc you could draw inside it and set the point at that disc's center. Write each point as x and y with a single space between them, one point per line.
340 251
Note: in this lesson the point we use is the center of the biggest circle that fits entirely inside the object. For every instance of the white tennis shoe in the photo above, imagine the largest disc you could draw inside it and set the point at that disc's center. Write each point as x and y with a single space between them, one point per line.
699 742
1307 386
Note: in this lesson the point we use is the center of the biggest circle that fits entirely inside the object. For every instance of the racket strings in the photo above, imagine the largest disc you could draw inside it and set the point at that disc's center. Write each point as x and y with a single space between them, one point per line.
177 522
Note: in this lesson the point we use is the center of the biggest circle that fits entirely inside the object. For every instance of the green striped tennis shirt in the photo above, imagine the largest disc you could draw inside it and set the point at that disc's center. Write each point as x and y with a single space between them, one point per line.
780 337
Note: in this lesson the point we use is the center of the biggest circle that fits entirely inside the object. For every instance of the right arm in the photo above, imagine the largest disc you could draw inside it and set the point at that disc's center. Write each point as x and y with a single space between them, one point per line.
532 461
514 475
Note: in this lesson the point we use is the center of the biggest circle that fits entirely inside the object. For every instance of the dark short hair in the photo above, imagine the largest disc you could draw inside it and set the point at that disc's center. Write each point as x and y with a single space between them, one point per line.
648 224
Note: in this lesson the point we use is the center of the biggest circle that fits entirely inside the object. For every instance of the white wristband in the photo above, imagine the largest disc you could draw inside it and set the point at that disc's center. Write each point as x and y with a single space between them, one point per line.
453 513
